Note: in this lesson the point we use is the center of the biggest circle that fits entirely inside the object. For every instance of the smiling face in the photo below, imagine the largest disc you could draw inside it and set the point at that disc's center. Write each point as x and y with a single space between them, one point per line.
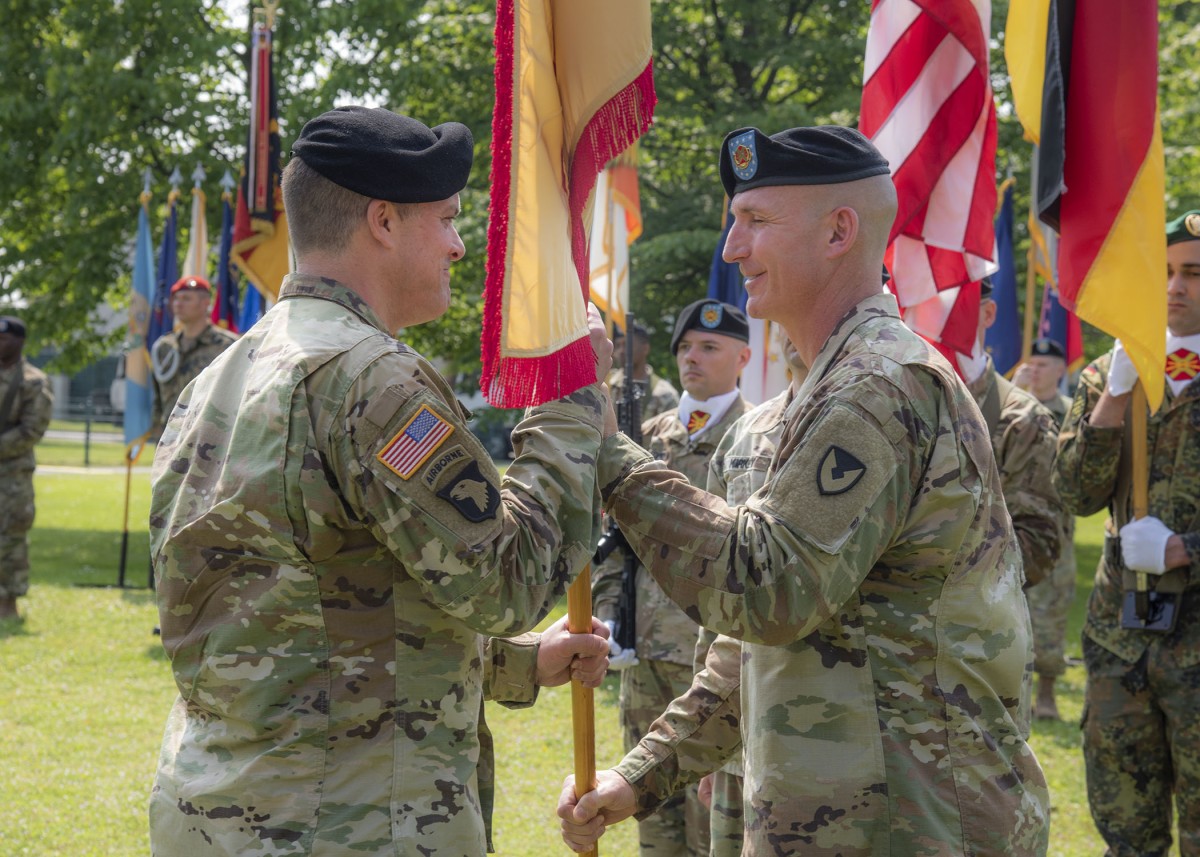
1183 288
428 245
710 363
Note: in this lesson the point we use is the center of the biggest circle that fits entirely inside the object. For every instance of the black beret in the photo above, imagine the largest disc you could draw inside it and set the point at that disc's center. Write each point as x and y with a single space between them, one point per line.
713 316
383 155
824 154
12 324
985 287
1186 227
1048 348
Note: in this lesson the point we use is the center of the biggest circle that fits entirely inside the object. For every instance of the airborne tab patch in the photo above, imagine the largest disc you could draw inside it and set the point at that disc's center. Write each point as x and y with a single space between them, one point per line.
415 442
475 498
838 472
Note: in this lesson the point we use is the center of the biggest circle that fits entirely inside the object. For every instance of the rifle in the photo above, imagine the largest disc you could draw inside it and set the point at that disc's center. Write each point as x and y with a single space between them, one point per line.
629 413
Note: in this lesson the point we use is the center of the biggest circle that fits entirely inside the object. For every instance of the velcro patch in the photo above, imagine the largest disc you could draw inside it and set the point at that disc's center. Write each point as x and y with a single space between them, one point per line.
415 442
475 498
440 464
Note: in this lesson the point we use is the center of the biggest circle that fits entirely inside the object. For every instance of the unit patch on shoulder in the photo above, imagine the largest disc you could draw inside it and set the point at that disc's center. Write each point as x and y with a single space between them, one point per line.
475 498
415 442
838 472
439 465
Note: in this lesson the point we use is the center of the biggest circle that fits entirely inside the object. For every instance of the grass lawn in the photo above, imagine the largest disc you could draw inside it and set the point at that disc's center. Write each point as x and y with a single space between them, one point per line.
87 690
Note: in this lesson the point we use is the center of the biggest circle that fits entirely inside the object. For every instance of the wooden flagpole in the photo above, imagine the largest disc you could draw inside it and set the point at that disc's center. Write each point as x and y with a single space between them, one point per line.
1140 486
583 712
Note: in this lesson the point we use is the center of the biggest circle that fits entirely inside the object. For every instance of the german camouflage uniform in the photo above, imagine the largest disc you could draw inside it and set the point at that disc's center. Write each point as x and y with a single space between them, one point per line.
20 430
875 584
332 547
1050 600
737 470
1024 440
1142 701
660 396
194 355
666 638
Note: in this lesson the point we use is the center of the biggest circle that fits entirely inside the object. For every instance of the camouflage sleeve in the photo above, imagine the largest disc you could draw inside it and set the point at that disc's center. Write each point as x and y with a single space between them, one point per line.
1026 461
36 405
697 734
773 570
510 670
1085 471
606 585
496 555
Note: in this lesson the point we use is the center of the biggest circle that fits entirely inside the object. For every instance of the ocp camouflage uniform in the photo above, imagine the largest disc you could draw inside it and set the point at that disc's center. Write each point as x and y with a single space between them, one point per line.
1024 440
660 396
666 638
1141 718
737 470
875 584
194 355
21 428
332 548
1050 600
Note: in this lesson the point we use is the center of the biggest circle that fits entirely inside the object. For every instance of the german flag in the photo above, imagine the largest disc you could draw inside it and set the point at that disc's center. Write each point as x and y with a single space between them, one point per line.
1085 84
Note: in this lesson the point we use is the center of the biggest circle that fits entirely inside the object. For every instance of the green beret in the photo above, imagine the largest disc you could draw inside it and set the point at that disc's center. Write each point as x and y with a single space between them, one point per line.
383 155
1186 227
824 154
12 324
713 316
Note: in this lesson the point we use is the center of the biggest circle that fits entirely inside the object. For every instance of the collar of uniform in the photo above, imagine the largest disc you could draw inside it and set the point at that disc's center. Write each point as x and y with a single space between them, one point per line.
767 416
324 288
980 386
877 306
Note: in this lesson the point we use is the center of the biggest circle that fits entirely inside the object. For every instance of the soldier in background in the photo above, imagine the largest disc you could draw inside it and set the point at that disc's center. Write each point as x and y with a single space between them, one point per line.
658 394
874 580
737 470
25 405
1142 699
709 344
1041 374
181 354
336 556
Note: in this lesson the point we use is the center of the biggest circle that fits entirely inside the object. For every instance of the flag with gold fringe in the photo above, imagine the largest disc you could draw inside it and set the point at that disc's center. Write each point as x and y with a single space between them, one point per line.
574 88
260 240
1085 80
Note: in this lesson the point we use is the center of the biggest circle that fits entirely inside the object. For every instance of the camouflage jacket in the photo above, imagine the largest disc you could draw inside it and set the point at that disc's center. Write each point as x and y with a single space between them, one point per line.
664 632
194 355
875 584
660 395
1090 460
332 549
25 423
1024 439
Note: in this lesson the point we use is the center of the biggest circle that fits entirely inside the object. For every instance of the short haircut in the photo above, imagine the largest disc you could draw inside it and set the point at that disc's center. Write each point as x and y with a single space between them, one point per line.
322 216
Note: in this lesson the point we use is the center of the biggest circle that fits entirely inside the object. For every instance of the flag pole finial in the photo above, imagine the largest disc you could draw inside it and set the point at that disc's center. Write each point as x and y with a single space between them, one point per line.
198 176
147 177
266 15
227 184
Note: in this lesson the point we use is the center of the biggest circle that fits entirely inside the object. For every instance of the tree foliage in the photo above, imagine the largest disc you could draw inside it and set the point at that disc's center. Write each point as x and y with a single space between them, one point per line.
95 93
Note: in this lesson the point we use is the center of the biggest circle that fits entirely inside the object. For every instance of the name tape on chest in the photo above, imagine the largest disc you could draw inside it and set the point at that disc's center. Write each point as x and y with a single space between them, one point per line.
415 442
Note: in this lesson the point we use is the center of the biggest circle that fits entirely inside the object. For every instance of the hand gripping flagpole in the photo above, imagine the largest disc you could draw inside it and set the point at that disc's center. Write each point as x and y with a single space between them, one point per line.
583 711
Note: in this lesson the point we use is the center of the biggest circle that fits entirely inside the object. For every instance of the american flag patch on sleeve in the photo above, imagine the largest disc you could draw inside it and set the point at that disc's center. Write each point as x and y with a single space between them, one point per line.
413 444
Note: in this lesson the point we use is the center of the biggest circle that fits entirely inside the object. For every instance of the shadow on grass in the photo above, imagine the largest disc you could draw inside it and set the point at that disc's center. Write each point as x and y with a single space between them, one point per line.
13 628
71 557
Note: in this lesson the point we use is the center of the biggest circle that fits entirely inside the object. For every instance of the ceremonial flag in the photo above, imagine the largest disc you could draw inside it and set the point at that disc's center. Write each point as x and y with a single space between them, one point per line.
260 240
253 307
225 306
616 224
1055 321
195 260
766 375
162 320
574 88
927 105
1100 171
137 357
1003 338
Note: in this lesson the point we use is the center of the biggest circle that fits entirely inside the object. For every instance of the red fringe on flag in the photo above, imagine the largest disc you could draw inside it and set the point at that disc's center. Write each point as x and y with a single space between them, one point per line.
510 382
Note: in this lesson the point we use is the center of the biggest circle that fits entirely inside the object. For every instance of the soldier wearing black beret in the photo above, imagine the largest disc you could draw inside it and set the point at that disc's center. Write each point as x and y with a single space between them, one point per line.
339 564
871 587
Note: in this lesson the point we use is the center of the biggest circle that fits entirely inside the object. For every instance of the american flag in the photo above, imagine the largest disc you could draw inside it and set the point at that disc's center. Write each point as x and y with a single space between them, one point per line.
414 443
927 105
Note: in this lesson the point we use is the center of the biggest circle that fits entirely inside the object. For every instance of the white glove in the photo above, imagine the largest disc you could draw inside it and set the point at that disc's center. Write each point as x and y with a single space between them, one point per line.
1121 374
618 658
1144 545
